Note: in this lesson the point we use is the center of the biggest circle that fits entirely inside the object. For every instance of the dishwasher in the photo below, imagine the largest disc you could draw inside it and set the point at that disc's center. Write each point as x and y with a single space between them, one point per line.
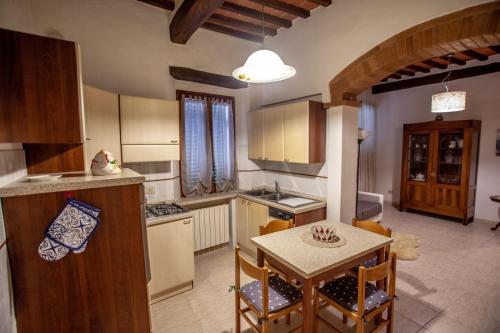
279 214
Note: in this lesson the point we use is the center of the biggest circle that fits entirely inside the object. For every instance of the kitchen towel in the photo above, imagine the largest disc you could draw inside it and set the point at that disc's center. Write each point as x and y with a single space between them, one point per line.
70 231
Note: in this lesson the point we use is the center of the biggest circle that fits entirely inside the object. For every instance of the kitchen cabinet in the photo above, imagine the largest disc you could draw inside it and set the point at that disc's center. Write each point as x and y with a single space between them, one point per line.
274 133
171 254
104 288
291 133
102 123
305 133
439 167
149 129
40 89
249 217
256 135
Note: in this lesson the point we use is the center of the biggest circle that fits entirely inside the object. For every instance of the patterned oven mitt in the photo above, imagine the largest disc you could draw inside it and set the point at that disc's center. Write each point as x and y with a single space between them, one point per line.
69 231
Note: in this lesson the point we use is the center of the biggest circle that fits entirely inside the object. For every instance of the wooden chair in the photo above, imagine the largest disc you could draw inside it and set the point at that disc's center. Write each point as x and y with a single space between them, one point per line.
275 226
269 297
378 229
359 300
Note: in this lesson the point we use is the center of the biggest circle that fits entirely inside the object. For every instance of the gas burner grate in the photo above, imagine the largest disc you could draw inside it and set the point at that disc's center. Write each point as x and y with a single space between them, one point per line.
163 209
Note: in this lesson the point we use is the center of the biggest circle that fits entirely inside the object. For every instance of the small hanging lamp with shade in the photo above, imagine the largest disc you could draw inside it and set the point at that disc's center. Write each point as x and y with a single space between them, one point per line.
263 66
449 101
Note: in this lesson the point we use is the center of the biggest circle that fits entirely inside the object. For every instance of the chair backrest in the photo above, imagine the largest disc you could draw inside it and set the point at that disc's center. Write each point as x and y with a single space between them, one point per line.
372 226
377 273
274 226
255 272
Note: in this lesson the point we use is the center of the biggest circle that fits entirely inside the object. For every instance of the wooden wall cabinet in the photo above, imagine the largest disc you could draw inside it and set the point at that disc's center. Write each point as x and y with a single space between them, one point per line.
102 123
40 89
151 123
249 217
171 254
439 167
291 133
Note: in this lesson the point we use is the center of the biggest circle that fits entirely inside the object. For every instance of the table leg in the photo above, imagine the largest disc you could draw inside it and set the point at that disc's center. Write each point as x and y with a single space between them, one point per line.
496 227
308 311
260 258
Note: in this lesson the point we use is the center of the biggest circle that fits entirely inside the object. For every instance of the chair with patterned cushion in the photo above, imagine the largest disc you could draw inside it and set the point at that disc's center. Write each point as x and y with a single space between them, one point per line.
360 300
268 297
376 228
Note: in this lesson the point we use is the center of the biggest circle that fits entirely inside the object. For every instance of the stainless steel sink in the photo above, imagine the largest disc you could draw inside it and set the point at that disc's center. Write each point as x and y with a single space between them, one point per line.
277 196
258 193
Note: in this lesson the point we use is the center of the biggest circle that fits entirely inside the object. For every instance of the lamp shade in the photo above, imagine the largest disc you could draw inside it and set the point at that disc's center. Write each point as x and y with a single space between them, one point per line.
263 66
450 101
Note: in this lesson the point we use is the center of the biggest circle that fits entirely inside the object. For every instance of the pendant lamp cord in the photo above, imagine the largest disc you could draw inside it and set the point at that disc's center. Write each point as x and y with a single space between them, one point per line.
449 72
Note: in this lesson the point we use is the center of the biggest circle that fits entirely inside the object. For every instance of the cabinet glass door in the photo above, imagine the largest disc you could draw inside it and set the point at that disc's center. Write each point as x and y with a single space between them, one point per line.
450 158
418 157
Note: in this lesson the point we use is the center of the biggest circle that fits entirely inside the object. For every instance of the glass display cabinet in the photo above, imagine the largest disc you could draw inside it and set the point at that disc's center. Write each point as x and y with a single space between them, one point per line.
439 168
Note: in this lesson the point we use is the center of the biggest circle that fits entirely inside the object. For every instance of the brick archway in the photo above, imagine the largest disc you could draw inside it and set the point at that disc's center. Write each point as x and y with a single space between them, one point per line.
470 28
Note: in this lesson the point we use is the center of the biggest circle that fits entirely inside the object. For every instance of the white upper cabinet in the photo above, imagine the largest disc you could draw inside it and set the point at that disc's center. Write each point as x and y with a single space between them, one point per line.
274 133
291 133
149 129
149 121
102 123
256 135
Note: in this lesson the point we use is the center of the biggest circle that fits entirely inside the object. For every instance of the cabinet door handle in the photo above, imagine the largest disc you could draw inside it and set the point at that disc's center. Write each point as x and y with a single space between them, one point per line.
186 221
174 141
88 139
287 160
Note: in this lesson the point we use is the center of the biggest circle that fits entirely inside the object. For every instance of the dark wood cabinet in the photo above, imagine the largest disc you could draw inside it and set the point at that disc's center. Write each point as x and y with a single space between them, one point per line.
40 89
103 289
439 167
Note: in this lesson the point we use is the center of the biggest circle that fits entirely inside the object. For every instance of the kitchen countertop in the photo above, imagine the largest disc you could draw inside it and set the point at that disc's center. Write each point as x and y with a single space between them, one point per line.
70 181
288 247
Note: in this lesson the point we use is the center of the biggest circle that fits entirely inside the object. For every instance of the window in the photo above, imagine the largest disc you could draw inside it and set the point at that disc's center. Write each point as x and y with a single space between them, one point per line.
207 143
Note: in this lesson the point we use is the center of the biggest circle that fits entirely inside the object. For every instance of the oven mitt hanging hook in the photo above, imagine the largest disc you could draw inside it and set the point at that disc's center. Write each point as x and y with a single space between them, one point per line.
70 231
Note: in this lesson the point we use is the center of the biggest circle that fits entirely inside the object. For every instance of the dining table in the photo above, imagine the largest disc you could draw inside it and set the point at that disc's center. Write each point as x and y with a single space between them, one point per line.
294 254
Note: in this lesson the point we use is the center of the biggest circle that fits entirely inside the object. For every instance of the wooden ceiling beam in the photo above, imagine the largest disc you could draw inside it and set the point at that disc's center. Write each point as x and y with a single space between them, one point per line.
475 55
395 76
437 78
189 17
435 64
242 24
163 4
193 75
416 68
323 3
284 7
405 72
256 14
232 32
495 48
453 60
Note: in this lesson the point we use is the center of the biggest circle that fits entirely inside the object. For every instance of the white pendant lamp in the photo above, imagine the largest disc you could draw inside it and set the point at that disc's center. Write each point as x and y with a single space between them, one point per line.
263 66
449 101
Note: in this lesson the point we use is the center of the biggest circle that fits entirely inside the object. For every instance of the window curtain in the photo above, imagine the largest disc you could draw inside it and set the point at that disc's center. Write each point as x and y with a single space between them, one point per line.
366 121
224 167
196 165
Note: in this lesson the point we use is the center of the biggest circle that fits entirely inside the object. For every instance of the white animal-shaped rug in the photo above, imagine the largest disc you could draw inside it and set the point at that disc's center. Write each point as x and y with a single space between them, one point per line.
406 246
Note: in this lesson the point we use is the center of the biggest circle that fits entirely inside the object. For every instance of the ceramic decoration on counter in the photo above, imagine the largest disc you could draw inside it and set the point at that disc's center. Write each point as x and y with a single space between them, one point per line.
104 164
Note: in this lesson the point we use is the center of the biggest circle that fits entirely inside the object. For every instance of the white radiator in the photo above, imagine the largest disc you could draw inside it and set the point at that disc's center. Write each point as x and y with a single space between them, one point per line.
211 226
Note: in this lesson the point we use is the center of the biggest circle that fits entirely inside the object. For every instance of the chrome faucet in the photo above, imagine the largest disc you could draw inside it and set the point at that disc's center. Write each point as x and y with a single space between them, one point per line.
277 187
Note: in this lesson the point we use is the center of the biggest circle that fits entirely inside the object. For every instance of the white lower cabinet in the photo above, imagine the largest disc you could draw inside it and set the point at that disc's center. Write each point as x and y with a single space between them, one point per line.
171 255
249 217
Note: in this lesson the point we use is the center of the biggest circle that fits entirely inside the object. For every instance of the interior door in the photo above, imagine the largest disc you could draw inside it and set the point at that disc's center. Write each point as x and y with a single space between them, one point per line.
419 168
257 216
297 132
274 133
255 135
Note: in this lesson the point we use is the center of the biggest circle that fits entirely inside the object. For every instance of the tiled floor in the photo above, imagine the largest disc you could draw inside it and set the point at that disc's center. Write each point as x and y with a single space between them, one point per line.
454 286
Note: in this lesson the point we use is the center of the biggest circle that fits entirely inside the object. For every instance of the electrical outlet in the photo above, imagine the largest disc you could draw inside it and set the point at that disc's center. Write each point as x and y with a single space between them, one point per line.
150 190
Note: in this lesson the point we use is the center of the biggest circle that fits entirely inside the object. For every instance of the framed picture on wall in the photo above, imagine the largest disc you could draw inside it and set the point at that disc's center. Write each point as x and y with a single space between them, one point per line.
498 142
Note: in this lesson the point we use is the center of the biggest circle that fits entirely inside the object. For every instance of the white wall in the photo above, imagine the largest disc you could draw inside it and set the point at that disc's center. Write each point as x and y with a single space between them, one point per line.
396 108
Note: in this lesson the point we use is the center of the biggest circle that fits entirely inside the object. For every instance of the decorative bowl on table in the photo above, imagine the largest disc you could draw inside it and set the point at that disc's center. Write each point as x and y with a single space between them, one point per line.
323 233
